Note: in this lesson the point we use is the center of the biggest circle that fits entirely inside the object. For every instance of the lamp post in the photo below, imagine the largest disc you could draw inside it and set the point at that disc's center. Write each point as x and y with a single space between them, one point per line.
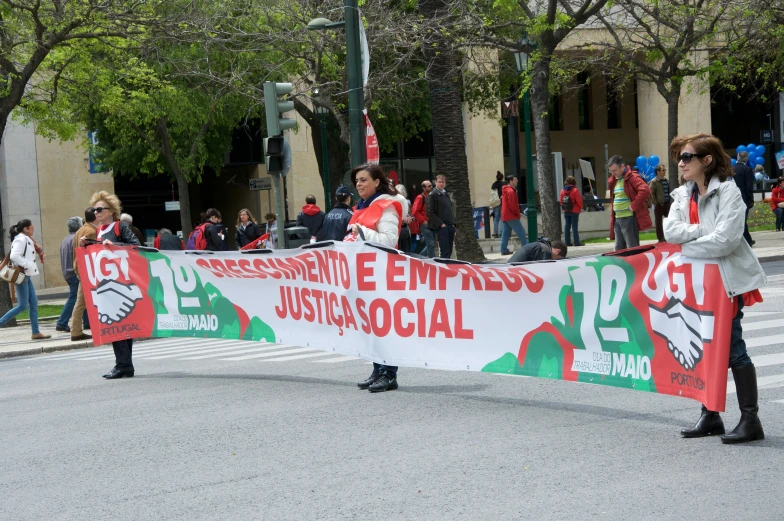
356 95
323 114
521 61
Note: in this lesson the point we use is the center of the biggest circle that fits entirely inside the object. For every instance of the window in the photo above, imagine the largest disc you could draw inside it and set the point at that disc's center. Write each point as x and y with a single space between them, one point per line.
613 97
584 104
555 113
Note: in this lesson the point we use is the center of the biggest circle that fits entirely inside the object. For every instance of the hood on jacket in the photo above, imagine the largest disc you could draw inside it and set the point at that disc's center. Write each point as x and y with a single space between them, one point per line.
397 197
509 187
310 209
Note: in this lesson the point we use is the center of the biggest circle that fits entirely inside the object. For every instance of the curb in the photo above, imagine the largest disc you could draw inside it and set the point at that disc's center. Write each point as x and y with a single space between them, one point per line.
46 349
772 258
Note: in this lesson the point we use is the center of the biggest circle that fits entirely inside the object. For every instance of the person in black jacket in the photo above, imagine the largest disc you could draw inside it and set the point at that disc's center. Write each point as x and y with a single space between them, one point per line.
215 231
744 178
539 250
107 209
440 218
311 216
335 225
247 229
498 186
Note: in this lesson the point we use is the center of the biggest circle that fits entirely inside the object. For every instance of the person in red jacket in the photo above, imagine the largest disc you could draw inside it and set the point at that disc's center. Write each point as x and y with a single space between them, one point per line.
510 215
629 204
419 213
572 204
777 203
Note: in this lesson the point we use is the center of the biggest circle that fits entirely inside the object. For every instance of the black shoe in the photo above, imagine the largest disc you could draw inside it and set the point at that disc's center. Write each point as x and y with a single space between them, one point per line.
364 384
64 329
118 373
709 424
506 253
383 383
581 244
753 243
749 428
81 337
569 244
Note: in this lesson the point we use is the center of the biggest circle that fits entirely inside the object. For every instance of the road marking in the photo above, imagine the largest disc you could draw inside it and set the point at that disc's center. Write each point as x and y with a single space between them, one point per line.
272 347
763 341
269 355
778 401
153 355
765 382
752 314
299 357
336 360
766 360
765 324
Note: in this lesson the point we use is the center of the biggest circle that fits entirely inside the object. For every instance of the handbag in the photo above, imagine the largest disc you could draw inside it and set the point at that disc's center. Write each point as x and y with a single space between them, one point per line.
494 199
11 273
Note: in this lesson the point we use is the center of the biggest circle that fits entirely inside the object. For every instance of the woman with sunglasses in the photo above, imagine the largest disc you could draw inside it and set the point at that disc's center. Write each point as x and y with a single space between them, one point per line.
113 231
707 218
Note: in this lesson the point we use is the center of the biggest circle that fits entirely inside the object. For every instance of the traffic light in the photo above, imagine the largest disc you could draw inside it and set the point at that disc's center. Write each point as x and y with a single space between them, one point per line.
275 151
276 124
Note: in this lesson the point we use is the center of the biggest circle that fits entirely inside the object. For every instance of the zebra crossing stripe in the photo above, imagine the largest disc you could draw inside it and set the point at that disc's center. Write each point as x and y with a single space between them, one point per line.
299 357
764 324
270 355
763 382
153 355
151 350
271 347
336 360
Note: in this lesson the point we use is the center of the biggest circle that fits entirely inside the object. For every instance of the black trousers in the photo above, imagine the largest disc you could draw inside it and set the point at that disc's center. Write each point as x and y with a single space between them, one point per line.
122 354
389 370
746 234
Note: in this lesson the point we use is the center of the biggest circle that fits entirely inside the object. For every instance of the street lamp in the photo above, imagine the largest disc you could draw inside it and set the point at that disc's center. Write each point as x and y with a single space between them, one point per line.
356 98
323 114
521 61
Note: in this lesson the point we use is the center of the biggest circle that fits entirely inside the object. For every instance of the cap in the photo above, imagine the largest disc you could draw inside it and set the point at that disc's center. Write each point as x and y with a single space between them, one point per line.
343 191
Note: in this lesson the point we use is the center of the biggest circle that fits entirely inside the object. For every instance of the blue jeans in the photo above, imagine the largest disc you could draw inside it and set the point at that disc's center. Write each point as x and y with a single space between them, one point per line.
446 239
25 298
65 316
570 223
506 233
496 219
779 216
430 241
738 354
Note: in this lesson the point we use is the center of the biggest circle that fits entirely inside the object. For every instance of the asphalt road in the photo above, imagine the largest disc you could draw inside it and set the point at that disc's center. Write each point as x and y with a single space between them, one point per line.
288 436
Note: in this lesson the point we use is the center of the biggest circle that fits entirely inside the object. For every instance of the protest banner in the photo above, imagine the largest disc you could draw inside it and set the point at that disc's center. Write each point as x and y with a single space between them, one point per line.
647 319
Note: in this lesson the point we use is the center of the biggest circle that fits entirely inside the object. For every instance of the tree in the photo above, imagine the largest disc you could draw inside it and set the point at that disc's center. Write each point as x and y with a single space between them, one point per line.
537 28
31 30
667 41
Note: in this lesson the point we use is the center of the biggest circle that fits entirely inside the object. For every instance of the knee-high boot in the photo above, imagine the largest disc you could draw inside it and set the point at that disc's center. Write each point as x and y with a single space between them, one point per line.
709 424
749 428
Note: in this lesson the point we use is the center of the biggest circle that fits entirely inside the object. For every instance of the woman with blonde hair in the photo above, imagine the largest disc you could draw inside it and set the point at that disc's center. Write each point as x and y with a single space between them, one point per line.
113 231
707 218
247 229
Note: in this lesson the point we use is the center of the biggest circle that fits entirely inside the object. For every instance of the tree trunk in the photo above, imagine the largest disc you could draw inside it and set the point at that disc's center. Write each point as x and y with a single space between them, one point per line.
449 134
5 291
540 98
673 99
185 205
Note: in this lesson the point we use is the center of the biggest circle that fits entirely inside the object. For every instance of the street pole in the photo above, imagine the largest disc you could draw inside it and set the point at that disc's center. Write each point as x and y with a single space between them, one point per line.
533 232
280 210
325 165
513 135
356 97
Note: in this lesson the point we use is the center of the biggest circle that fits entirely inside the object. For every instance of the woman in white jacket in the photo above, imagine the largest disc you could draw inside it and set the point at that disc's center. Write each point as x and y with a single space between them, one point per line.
23 255
377 217
707 218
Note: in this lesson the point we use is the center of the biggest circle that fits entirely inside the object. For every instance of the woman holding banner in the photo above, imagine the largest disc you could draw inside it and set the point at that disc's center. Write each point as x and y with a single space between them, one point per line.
377 217
707 218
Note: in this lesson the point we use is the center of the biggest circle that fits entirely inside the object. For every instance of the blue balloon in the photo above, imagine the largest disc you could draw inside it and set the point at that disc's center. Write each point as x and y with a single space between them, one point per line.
741 148
760 150
760 160
751 147
653 161
734 161
752 157
641 161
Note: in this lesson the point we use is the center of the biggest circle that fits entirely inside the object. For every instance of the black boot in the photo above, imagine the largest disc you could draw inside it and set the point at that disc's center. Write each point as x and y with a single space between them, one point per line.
749 428
364 384
709 424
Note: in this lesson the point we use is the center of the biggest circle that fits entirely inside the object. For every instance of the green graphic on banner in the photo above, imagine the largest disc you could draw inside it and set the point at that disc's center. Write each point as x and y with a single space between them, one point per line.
600 335
197 307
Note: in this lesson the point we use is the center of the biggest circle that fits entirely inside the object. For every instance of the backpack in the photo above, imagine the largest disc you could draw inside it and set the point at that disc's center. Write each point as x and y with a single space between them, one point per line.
495 201
567 205
197 239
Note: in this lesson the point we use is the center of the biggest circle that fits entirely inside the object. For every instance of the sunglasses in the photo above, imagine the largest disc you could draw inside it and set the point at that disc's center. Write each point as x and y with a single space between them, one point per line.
686 157
99 209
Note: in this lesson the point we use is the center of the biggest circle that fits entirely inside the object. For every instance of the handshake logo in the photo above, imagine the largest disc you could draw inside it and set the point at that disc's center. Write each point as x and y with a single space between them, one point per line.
684 329
115 300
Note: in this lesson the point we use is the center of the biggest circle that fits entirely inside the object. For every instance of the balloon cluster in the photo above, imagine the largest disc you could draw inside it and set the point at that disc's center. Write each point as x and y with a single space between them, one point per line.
647 167
756 153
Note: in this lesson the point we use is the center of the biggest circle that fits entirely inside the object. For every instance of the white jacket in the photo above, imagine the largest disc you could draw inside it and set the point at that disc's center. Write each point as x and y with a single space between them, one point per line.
719 235
387 228
20 257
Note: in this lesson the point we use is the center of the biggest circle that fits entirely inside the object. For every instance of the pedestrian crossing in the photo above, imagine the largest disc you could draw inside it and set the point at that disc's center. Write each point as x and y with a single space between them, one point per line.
209 348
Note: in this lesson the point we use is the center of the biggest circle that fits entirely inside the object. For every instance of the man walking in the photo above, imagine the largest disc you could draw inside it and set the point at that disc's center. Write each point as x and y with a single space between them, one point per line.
660 193
510 215
311 216
744 178
88 231
67 268
419 212
629 202
335 225
440 218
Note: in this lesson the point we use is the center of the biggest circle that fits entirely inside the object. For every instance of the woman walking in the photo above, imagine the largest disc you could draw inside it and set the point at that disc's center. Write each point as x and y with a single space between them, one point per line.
377 217
247 229
498 186
113 231
23 255
707 218
777 203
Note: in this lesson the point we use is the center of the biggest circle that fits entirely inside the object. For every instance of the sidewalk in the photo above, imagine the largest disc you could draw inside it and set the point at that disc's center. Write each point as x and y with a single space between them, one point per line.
16 341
